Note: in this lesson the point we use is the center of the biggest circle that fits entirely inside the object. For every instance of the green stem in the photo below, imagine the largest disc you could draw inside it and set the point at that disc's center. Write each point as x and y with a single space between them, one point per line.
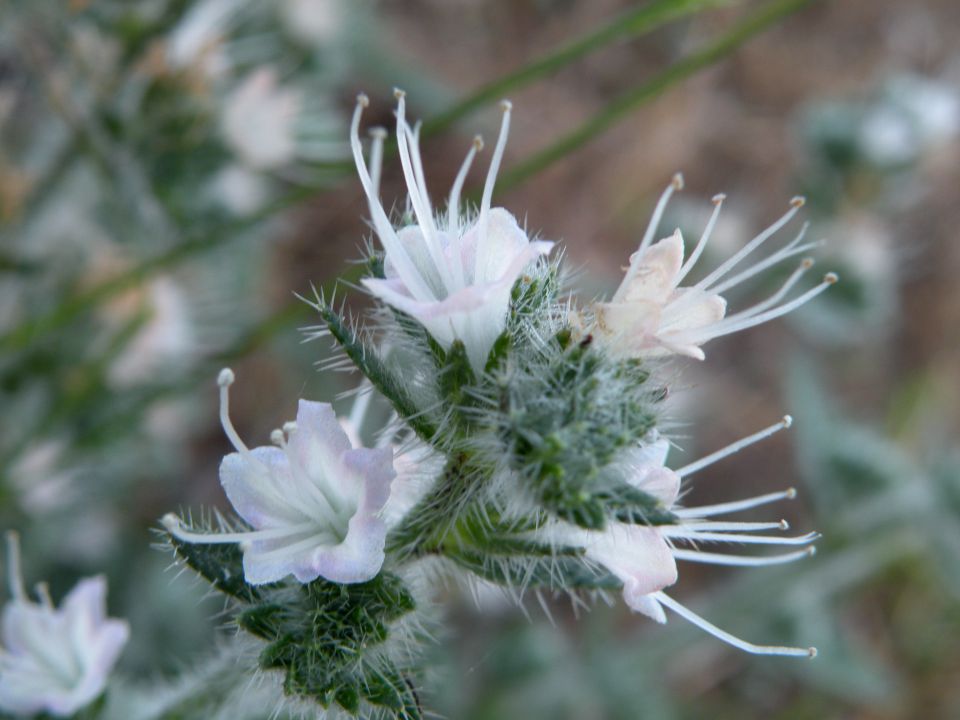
633 23
660 83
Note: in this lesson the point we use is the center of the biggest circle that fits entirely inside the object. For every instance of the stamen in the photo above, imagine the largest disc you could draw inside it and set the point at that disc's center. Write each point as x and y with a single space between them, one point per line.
173 526
225 380
487 198
696 536
736 505
381 223
277 438
729 526
378 135
290 427
417 190
790 250
747 249
453 204
738 324
776 297
734 447
43 594
726 637
14 577
675 184
742 560
704 238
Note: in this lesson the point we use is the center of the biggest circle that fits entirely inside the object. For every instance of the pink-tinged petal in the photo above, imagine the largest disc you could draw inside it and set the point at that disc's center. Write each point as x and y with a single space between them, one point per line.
636 554
692 309
412 240
629 324
505 241
656 269
359 557
650 454
318 442
258 488
661 482
644 604
102 655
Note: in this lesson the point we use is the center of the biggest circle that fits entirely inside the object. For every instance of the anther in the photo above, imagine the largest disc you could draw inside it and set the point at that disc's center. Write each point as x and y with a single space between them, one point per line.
830 278
812 652
718 198
677 181
398 93
290 427
171 522
811 551
380 133
798 202
791 493
277 438
784 525
225 378
787 421
363 100
807 263
506 105
478 142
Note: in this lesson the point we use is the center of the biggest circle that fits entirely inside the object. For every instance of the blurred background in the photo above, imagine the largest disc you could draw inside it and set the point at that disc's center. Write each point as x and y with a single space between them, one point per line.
173 172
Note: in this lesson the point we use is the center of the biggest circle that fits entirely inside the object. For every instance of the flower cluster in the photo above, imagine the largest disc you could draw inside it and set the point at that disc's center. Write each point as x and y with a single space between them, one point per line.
522 448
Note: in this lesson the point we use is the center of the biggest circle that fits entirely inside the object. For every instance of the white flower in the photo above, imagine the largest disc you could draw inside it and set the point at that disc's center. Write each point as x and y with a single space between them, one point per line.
197 40
313 21
314 502
56 660
645 558
259 121
650 315
452 273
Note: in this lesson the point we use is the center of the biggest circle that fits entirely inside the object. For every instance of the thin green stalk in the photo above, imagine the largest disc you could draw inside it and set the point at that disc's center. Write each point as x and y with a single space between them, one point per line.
660 83
633 23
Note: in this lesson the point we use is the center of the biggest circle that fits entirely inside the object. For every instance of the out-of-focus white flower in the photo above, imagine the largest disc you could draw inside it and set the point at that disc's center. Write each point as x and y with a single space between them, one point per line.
314 501
42 484
452 273
259 120
239 189
166 339
313 21
644 557
56 660
197 39
650 315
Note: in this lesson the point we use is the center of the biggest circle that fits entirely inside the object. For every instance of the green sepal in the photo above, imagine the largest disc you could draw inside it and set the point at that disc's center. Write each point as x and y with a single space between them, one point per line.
369 363
553 573
455 375
321 635
498 353
632 505
220 564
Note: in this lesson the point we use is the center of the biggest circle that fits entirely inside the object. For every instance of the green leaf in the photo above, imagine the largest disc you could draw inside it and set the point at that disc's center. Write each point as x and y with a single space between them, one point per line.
654 87
369 363
220 564
633 23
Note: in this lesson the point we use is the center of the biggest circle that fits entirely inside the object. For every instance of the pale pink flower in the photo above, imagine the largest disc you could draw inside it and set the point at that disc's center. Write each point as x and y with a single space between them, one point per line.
651 315
313 500
56 660
452 273
645 558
